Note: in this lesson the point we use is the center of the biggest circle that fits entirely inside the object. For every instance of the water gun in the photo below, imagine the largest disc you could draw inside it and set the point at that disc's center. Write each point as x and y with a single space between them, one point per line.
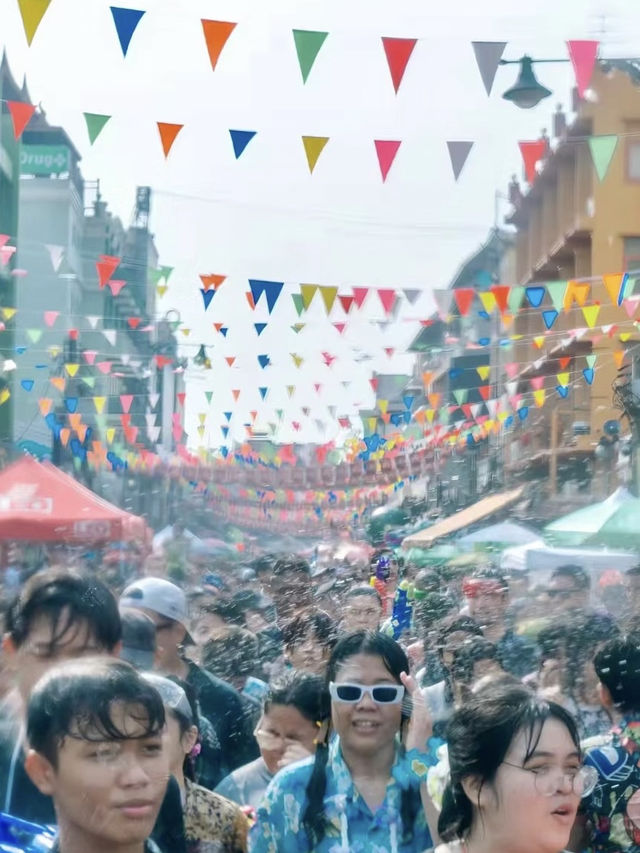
382 565
402 613
21 836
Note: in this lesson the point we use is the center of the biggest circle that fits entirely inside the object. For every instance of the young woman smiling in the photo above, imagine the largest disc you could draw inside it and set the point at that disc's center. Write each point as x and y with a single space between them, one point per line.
363 790
516 775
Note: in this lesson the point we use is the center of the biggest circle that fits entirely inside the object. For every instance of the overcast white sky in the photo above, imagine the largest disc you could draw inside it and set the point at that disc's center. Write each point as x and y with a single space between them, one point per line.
264 216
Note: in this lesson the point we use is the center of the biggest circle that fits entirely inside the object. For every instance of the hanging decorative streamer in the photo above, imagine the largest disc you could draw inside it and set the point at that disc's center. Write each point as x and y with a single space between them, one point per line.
602 150
216 35
126 21
398 53
240 139
308 44
532 152
488 55
458 153
313 148
20 116
32 13
386 150
583 58
95 124
168 134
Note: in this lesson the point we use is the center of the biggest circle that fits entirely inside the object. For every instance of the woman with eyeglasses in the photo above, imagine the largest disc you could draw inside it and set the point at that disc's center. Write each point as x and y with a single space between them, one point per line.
294 719
364 790
516 775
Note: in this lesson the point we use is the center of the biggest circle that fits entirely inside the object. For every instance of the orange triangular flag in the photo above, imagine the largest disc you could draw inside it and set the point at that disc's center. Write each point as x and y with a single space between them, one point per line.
58 382
65 434
230 359
236 393
45 404
618 357
212 281
20 116
613 283
168 133
250 300
75 419
216 35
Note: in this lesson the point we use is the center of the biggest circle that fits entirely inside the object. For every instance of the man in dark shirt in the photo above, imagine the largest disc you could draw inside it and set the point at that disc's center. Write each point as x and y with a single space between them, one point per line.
59 615
232 743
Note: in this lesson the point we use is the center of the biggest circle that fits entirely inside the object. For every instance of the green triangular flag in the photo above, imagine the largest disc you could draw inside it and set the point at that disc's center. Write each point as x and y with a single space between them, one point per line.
602 150
89 380
461 395
155 276
298 327
208 395
280 413
556 291
515 299
298 302
591 360
95 123
308 44
166 272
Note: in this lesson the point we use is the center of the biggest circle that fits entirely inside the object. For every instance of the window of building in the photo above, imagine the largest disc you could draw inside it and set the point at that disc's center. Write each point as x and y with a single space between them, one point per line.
633 160
632 262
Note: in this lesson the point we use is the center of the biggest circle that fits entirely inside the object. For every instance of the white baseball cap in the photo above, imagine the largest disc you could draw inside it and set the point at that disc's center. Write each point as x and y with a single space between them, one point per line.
160 596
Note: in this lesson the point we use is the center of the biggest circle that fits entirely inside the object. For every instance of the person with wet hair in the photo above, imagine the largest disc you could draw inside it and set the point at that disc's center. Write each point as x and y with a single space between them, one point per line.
295 716
363 789
611 820
362 609
516 775
95 731
308 639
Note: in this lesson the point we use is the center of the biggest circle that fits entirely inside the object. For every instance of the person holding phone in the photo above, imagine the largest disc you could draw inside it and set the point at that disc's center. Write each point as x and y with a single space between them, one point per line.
364 788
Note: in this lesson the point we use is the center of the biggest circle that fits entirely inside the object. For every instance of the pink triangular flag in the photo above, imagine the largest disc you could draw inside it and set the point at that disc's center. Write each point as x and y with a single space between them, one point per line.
115 286
388 299
359 295
630 305
90 355
104 366
126 400
583 58
386 149
50 317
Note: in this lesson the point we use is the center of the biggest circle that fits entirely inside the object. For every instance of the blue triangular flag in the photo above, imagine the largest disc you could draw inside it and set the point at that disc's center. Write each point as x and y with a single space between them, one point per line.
260 327
263 392
535 295
396 418
240 139
523 412
227 415
21 350
484 342
263 360
408 401
126 21
71 403
207 296
483 314
563 390
508 421
588 374
272 290
549 317
223 331
455 372
27 384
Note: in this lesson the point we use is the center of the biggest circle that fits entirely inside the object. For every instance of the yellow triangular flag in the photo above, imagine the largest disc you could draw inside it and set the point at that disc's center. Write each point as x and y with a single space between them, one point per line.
488 300
539 341
111 434
328 297
313 148
201 430
32 12
290 390
308 291
161 289
186 332
484 371
202 416
538 396
624 336
563 379
383 406
99 403
297 359
72 369
8 313
4 395
372 423
590 313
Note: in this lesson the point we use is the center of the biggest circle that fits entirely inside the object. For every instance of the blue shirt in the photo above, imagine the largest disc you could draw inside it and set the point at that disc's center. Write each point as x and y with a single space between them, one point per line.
279 819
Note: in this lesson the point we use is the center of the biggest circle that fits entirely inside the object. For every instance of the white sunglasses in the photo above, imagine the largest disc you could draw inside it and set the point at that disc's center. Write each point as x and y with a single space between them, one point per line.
382 694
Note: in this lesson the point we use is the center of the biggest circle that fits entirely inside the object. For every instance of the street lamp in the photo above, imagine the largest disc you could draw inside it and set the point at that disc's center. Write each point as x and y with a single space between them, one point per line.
526 92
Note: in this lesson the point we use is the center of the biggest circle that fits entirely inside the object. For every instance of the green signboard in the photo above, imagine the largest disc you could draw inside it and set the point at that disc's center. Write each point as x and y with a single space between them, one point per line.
44 159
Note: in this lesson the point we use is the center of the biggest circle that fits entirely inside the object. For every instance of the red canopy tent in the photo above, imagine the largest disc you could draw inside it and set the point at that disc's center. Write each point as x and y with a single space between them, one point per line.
40 503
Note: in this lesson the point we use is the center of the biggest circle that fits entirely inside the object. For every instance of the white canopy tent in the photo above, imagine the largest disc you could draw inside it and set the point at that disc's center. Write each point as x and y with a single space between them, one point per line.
543 559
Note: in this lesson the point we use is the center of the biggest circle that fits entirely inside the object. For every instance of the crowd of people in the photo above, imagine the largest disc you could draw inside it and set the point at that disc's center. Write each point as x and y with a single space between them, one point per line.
267 708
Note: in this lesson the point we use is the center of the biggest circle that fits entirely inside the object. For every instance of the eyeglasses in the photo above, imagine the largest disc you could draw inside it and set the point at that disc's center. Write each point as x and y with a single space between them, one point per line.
382 694
270 740
549 779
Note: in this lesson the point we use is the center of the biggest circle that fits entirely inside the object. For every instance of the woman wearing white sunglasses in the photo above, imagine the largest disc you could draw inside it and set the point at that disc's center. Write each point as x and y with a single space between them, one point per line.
364 790
516 775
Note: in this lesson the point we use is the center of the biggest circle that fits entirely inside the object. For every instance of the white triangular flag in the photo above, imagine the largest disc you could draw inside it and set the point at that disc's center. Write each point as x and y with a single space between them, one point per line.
153 400
151 419
93 320
153 433
125 358
110 335
55 254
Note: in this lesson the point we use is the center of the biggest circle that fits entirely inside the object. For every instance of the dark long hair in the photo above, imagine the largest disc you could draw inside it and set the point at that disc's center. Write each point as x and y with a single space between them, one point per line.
479 735
395 661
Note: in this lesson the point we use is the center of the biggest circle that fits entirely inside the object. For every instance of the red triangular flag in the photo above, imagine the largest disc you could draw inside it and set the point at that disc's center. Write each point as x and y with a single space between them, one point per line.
340 327
218 326
106 266
583 58
181 397
230 359
346 302
134 322
398 53
386 149
389 351
485 390
216 35
168 133
464 297
374 383
532 152
20 116
359 295
162 361
388 299
501 294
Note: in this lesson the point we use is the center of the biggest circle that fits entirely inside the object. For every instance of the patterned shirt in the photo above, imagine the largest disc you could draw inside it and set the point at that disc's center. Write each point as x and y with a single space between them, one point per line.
614 806
351 826
213 824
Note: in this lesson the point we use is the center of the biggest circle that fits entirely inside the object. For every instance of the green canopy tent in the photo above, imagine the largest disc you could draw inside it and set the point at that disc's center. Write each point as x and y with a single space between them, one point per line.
599 523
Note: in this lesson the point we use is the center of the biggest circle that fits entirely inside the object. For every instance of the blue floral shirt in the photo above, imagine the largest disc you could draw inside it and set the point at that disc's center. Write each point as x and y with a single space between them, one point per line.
351 826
